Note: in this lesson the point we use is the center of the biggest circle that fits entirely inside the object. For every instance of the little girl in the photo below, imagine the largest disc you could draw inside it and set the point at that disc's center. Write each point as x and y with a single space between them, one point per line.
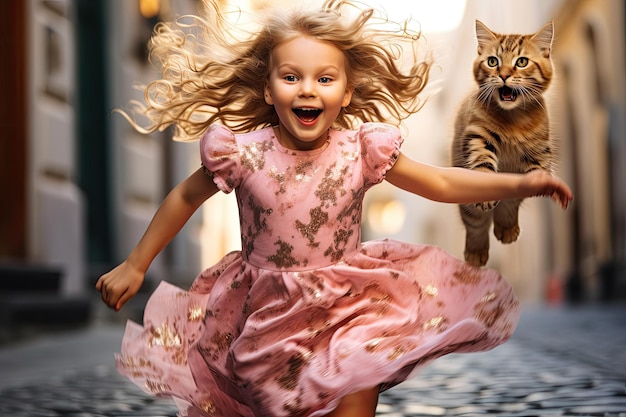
305 320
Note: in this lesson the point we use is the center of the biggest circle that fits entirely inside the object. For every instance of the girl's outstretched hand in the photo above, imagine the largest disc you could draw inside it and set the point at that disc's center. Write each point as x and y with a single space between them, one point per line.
120 285
541 183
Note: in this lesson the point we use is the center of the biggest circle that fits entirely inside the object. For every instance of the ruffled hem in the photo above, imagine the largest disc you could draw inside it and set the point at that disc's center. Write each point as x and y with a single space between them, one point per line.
244 341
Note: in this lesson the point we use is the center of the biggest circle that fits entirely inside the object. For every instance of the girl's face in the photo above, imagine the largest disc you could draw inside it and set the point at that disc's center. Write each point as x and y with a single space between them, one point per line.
307 86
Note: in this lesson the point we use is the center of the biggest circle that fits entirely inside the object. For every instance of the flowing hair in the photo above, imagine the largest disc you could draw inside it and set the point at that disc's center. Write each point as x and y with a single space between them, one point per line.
214 71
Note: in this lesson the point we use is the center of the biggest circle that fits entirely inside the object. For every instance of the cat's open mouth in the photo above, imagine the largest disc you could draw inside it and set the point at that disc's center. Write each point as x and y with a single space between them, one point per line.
507 94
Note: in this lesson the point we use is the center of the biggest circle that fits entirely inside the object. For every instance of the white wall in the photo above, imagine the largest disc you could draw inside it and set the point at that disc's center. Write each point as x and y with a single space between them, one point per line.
56 218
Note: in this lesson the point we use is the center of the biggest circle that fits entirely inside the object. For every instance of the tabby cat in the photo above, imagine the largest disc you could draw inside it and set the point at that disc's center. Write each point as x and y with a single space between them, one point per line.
503 126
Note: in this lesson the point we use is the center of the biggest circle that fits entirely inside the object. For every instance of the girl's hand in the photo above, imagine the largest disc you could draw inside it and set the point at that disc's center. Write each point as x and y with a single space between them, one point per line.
541 183
120 285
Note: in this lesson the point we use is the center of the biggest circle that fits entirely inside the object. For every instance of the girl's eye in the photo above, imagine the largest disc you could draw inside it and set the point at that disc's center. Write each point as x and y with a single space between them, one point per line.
324 80
290 78
492 61
521 62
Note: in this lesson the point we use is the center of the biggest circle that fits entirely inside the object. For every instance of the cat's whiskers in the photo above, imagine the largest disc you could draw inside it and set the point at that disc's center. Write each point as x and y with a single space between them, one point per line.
533 93
485 93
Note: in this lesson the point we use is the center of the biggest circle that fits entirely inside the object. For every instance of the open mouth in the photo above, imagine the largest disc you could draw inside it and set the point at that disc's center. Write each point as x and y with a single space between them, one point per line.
507 94
307 115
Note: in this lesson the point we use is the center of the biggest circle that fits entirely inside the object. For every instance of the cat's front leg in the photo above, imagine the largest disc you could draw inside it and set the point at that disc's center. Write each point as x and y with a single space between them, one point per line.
506 221
483 158
477 224
487 205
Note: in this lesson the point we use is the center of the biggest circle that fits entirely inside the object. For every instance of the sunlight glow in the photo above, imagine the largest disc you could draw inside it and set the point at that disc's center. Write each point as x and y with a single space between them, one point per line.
432 16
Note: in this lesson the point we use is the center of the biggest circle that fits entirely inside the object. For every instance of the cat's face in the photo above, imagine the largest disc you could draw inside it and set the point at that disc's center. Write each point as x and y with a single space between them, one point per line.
513 70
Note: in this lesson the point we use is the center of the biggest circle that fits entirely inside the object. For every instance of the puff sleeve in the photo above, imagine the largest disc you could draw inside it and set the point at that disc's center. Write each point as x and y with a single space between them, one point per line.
380 148
220 157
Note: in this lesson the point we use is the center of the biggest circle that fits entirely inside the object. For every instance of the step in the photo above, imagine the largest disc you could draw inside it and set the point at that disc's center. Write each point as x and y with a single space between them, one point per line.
31 309
26 277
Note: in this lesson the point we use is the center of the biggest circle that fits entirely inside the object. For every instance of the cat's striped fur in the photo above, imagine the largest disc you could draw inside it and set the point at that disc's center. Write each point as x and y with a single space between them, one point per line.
503 126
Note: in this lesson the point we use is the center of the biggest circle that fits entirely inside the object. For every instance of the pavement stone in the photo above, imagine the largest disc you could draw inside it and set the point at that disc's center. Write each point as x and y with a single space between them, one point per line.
560 362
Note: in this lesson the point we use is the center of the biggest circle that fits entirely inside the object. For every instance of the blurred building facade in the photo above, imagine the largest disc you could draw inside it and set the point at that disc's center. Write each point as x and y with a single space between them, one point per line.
83 185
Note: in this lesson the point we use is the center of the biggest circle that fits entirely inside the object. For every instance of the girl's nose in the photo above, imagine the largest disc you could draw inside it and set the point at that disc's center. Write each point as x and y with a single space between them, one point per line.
307 88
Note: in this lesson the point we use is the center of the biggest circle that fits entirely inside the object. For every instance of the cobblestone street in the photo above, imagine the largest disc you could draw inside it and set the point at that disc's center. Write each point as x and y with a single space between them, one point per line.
560 362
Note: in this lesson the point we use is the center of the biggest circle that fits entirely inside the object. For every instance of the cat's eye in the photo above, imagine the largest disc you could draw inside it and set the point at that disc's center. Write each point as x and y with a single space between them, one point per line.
492 61
521 62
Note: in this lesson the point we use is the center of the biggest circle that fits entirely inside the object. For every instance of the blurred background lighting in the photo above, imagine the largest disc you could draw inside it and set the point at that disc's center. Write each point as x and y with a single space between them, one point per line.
149 8
386 216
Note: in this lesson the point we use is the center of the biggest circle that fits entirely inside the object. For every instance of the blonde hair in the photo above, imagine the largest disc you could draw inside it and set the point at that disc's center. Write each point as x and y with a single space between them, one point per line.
211 75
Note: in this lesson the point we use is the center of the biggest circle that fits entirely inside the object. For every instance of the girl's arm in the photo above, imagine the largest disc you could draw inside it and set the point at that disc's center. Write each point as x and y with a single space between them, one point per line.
458 185
122 283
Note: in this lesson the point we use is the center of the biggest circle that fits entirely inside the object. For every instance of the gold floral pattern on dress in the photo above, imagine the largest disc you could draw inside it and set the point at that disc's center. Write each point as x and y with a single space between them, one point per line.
310 230
208 406
305 171
289 378
353 209
279 177
222 340
311 283
195 313
439 323
487 311
156 386
373 345
165 336
253 155
341 239
350 156
179 356
397 352
134 366
381 342
282 258
490 296
331 184
431 290
468 275
318 321
295 409
258 226
323 395
378 297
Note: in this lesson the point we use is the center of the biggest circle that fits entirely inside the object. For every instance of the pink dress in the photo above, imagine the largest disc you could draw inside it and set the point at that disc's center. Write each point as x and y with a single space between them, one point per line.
305 313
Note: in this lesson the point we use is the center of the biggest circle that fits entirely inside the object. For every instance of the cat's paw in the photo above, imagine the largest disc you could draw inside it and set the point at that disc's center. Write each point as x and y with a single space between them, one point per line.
477 258
508 235
487 205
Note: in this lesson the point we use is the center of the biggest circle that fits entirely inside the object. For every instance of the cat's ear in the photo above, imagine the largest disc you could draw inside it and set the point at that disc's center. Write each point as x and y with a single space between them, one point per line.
543 38
484 36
